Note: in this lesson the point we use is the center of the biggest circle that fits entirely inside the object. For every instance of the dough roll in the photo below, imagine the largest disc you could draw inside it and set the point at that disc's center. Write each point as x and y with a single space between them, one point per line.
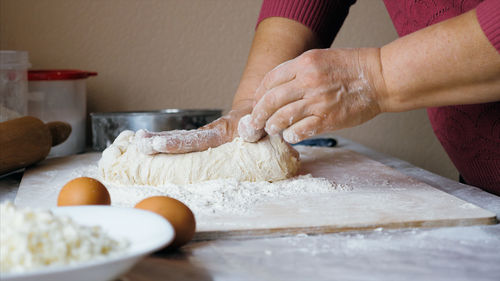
270 159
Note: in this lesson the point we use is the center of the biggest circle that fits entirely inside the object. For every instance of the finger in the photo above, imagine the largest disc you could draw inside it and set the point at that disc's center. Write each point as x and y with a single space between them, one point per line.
213 134
143 142
247 132
287 116
273 100
157 142
186 141
303 129
176 141
143 133
281 74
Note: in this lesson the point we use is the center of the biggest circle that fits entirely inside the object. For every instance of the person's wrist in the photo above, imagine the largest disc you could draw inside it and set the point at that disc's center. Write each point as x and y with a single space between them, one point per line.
378 86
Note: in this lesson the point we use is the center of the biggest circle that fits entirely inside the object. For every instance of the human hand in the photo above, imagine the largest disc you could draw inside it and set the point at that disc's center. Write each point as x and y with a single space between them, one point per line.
320 91
247 132
214 134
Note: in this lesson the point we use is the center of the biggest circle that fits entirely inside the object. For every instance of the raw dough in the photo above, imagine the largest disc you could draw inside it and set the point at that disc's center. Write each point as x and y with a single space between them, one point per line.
270 159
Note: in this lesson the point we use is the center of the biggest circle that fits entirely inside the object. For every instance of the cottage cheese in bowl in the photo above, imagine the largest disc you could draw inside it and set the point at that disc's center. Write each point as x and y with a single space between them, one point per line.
31 239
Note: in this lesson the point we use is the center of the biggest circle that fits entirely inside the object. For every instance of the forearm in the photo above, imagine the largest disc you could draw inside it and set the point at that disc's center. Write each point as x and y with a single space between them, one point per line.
276 40
448 63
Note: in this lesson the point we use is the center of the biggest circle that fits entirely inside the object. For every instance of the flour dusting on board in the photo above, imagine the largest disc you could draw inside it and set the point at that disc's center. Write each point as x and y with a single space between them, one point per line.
344 189
216 196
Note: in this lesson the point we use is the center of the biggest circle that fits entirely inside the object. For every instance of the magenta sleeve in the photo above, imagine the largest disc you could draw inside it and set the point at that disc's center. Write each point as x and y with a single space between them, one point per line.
488 15
323 17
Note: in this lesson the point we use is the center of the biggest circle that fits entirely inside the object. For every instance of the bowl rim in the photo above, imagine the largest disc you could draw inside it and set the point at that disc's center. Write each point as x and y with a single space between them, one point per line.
129 254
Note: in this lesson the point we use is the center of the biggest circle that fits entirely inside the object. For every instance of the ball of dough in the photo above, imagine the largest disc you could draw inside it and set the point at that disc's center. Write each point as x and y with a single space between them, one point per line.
83 191
270 159
178 214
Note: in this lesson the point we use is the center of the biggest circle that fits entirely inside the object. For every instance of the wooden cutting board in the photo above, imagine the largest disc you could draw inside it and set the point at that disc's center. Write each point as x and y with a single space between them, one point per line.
380 197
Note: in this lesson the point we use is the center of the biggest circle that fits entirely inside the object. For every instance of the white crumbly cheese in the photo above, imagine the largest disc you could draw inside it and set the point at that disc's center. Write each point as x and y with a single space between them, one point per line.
31 239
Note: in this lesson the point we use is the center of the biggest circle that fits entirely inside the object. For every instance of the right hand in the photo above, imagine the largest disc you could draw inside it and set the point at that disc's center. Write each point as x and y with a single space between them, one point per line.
214 134
320 91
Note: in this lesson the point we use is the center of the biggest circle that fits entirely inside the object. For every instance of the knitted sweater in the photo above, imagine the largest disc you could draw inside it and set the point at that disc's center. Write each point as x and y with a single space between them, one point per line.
470 134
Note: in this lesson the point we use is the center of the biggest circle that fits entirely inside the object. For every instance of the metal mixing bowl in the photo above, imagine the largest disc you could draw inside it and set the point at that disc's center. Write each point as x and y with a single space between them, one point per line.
107 125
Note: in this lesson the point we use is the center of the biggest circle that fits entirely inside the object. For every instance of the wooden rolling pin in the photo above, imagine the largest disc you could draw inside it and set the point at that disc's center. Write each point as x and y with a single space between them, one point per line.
27 140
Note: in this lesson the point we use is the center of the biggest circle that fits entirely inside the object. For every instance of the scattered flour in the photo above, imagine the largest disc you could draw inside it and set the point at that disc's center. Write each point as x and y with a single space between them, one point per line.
228 195
220 196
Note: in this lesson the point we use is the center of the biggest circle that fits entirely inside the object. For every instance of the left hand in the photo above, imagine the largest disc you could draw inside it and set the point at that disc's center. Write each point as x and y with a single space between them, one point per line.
213 134
320 91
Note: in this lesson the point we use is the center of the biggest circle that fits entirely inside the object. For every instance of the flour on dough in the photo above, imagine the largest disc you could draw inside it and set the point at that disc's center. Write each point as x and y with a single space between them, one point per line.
270 159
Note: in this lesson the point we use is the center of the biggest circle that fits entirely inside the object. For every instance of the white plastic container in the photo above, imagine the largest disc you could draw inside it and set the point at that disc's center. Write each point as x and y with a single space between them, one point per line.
61 95
13 84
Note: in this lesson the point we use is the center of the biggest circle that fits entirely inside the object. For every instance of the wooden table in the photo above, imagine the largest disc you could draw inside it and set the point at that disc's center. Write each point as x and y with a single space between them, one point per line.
456 253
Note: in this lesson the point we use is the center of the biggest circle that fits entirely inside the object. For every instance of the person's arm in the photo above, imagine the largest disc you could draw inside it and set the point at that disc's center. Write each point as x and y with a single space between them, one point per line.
286 28
449 63
276 40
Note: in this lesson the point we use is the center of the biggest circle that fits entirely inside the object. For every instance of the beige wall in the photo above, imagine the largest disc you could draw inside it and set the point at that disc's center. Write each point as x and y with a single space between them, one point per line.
153 54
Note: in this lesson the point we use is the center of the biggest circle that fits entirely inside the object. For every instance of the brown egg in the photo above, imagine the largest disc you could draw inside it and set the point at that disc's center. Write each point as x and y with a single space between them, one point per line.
83 191
178 214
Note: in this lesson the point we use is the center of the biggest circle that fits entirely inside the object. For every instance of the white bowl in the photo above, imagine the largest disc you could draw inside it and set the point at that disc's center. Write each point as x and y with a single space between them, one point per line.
146 232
